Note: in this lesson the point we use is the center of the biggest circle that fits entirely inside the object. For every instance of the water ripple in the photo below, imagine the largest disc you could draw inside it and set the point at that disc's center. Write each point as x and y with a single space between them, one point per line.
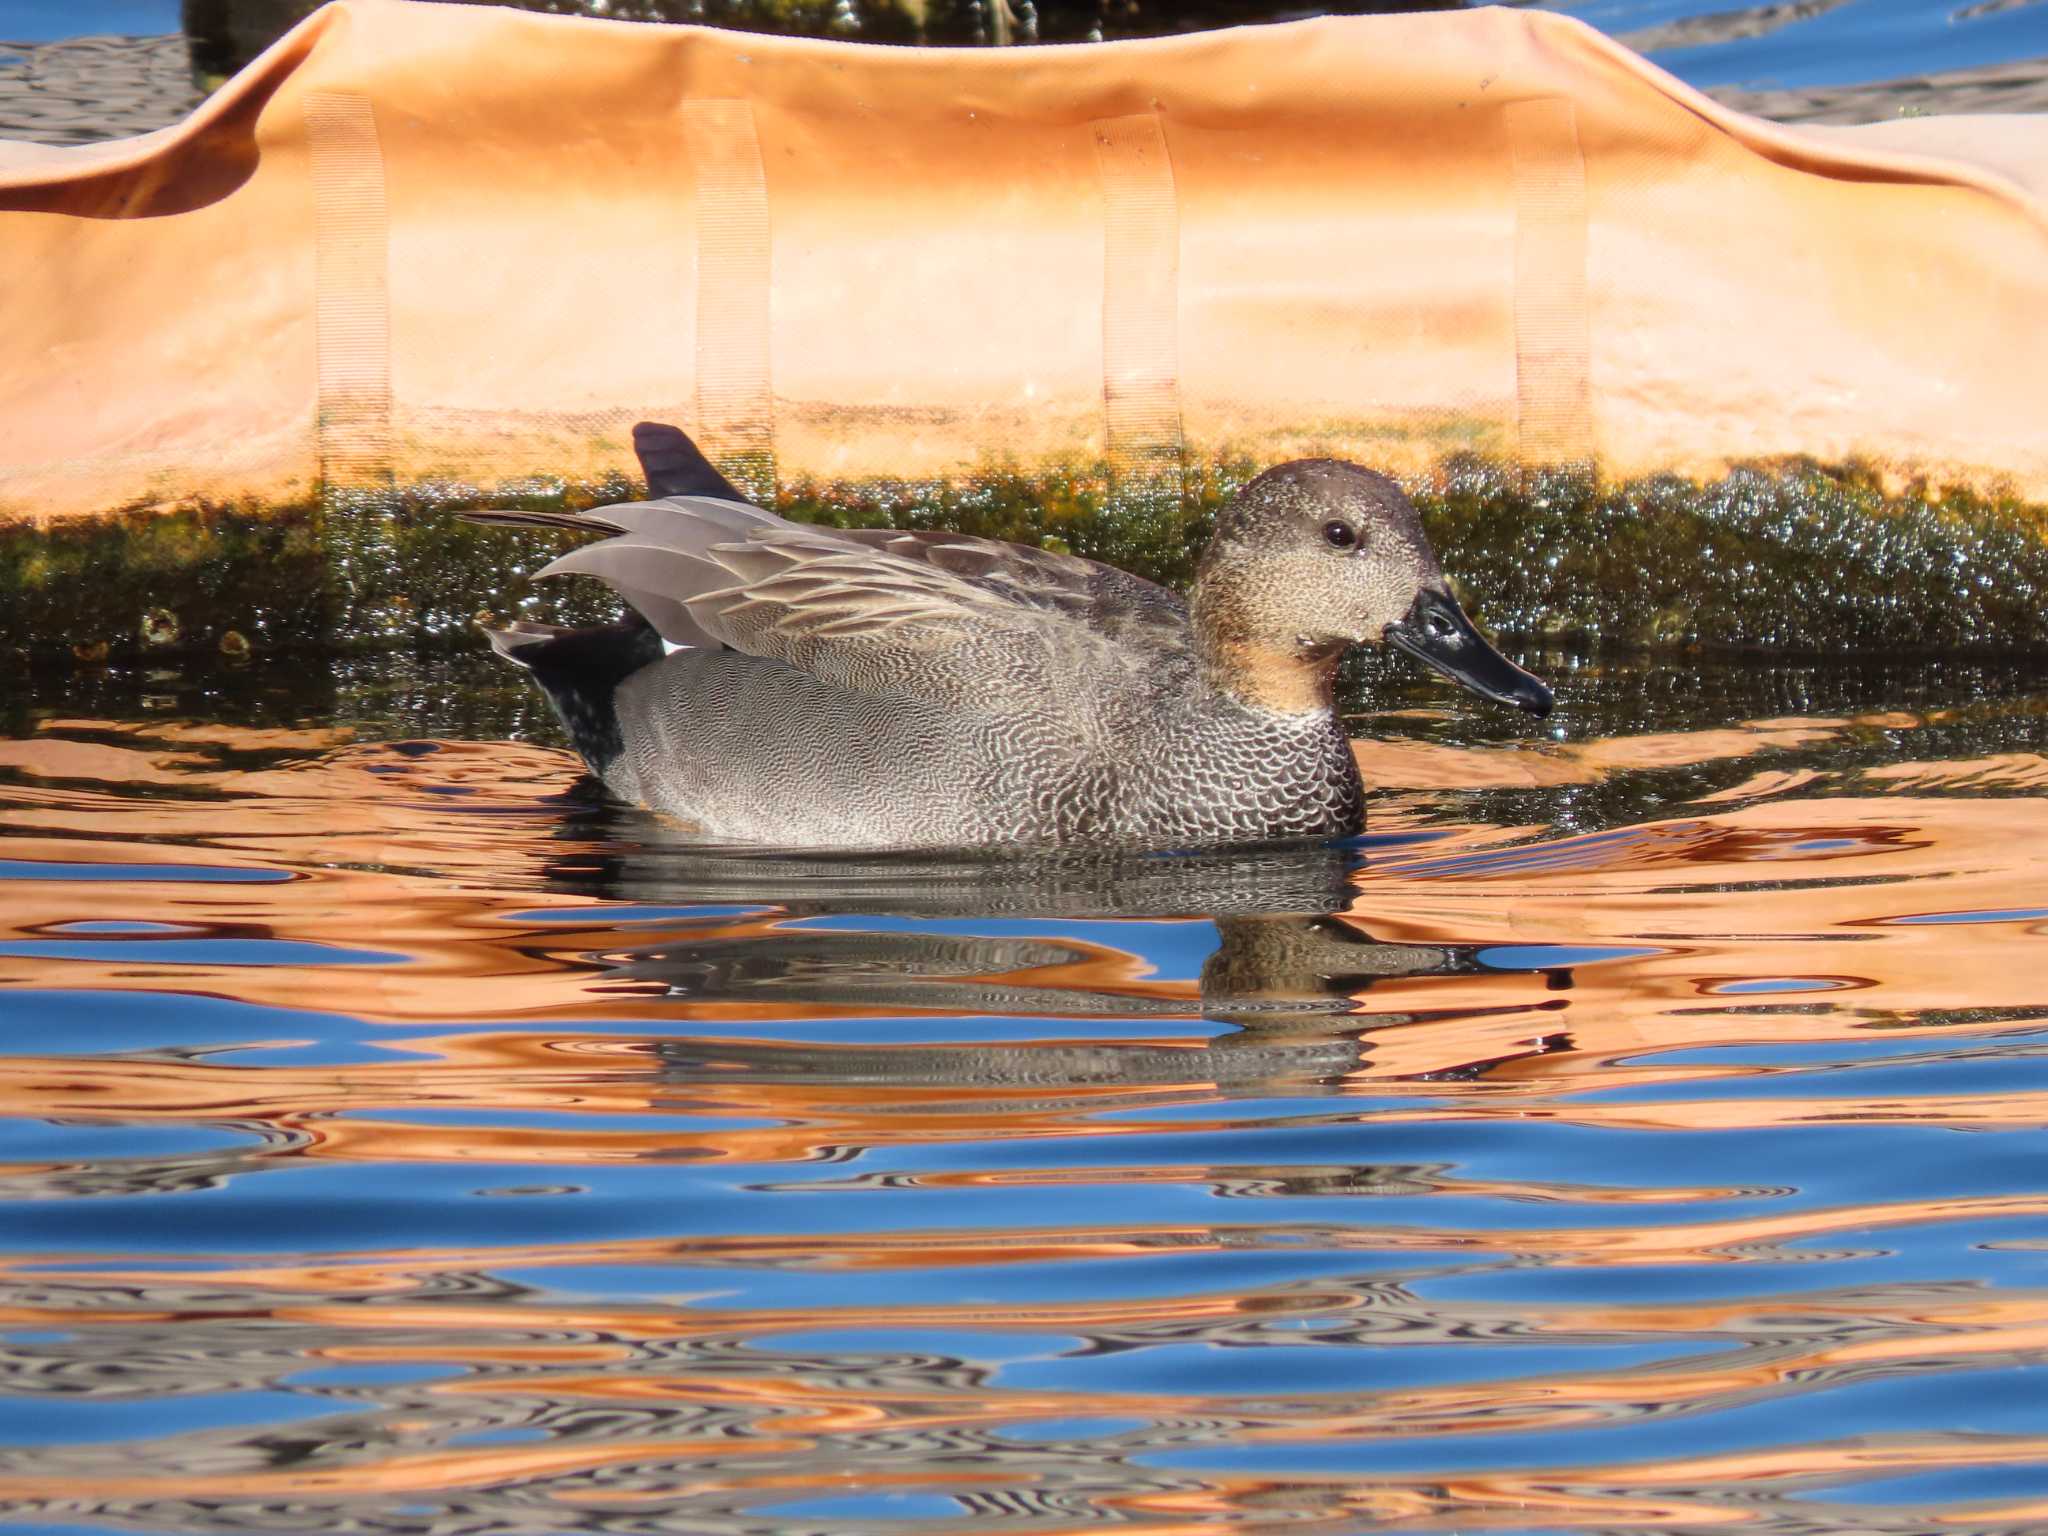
1633 1131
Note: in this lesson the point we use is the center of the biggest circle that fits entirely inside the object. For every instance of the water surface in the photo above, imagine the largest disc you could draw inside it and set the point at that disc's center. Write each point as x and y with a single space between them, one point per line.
1640 1127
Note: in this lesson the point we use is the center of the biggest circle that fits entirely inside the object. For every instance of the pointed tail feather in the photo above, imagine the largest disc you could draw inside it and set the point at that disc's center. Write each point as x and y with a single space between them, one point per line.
675 466
573 522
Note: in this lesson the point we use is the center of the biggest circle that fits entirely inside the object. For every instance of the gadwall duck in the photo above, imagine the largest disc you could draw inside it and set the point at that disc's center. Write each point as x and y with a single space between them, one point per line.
827 687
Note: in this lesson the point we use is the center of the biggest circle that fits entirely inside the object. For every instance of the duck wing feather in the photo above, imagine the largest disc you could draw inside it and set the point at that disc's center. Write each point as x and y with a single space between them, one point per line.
649 559
882 611
1123 607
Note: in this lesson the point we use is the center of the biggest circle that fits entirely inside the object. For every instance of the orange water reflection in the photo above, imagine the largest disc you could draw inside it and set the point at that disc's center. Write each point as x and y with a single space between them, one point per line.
1815 957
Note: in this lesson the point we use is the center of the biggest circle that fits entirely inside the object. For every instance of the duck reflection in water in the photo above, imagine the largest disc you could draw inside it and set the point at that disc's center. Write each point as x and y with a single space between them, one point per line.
1293 986
1302 982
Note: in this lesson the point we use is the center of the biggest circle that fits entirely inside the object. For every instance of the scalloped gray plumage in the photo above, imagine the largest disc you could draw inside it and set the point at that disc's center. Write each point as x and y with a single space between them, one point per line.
873 687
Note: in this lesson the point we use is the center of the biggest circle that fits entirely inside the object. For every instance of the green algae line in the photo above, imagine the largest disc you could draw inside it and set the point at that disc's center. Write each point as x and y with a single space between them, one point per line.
1790 557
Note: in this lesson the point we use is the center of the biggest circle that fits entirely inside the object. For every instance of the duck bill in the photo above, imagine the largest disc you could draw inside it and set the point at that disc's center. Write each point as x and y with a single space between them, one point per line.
1436 631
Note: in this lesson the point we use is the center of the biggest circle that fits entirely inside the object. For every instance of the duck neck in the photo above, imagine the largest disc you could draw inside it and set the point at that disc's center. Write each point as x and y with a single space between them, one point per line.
1279 676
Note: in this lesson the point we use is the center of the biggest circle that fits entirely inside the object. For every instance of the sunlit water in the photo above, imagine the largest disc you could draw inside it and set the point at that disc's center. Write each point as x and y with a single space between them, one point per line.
1819 42
1640 1128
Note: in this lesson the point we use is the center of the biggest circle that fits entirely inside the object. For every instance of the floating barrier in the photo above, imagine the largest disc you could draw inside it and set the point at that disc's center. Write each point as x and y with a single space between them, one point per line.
418 253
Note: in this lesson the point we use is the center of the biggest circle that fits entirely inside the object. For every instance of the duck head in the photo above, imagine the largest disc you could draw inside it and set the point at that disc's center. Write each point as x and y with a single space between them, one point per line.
1314 557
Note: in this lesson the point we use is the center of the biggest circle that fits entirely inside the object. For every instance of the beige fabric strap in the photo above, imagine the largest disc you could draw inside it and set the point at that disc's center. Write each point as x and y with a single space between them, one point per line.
1553 385
735 415
351 235
1140 305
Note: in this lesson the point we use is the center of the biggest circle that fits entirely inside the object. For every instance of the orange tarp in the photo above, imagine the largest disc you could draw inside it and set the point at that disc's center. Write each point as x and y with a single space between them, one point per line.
421 240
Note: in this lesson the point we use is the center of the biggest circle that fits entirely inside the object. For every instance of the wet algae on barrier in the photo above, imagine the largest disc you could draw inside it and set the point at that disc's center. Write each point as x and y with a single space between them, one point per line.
1790 557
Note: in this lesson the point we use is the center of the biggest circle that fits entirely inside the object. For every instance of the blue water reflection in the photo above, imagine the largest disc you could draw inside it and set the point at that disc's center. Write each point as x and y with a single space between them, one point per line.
561 1174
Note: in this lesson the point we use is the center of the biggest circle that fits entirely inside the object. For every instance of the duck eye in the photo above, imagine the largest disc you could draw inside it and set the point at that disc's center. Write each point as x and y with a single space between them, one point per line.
1340 535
